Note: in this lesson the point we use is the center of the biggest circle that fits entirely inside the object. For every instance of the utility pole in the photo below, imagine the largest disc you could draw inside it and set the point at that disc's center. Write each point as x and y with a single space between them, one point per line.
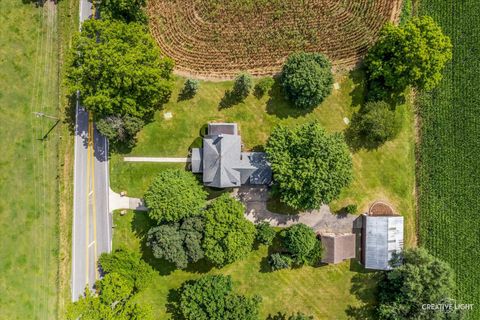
43 115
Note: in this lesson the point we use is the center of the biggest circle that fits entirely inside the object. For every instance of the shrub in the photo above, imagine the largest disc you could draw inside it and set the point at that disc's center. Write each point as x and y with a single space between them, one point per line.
190 88
301 242
263 86
307 79
410 55
279 261
351 209
212 298
242 86
310 167
173 195
228 235
265 233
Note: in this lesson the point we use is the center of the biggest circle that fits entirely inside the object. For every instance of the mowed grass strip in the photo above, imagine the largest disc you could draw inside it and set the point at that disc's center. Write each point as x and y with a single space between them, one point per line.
28 188
327 292
386 173
449 168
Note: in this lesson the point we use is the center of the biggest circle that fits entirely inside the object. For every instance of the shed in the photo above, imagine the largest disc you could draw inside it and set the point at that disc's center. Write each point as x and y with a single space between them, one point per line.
338 247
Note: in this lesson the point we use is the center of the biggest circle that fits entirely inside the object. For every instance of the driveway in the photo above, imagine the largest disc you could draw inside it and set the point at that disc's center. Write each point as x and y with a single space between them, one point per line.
322 220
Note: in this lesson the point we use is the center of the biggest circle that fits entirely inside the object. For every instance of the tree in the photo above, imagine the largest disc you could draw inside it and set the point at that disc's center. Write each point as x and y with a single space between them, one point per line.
120 73
124 10
301 242
113 302
410 55
310 167
212 298
265 233
120 129
129 265
417 278
178 243
242 86
263 86
374 125
307 79
228 235
190 89
173 195
279 261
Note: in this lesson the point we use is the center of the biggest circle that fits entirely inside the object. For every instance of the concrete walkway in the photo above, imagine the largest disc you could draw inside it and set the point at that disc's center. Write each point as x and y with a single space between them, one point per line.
321 220
118 202
154 159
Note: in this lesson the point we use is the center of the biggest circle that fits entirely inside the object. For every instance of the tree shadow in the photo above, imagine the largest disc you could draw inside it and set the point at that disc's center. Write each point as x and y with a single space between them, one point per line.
279 106
364 287
275 247
229 99
70 113
38 3
355 137
358 94
173 303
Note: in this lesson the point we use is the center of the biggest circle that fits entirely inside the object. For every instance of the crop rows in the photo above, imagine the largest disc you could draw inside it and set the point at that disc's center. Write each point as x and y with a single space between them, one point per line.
449 165
213 38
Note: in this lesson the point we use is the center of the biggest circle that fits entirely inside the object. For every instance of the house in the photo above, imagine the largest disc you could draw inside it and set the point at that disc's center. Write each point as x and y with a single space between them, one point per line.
222 162
338 247
382 235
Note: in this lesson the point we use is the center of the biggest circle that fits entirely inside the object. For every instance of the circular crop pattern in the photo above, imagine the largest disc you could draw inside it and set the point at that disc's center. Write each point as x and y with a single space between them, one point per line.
219 38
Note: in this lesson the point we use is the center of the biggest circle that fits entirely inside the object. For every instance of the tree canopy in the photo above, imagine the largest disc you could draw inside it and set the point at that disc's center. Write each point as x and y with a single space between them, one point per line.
124 10
374 125
307 79
129 265
173 195
417 278
228 235
302 244
119 71
310 167
212 298
116 291
410 55
178 243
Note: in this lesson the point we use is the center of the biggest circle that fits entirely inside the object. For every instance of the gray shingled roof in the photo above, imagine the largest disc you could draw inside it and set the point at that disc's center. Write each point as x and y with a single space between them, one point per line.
338 247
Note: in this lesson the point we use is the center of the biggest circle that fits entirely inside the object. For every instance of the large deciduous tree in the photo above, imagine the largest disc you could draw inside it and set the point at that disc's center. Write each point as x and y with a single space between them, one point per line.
123 10
417 278
212 298
229 236
120 73
410 55
173 195
307 79
178 243
310 167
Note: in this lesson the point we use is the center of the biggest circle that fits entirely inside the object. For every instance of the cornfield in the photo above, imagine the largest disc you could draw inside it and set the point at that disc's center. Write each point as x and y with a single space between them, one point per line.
219 38
449 164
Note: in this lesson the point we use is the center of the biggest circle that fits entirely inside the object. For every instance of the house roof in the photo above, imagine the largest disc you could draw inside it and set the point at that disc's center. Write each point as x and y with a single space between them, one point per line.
383 236
224 164
338 247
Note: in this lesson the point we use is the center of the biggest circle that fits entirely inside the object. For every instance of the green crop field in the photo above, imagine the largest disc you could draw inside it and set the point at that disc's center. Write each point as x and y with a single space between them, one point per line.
449 166
28 166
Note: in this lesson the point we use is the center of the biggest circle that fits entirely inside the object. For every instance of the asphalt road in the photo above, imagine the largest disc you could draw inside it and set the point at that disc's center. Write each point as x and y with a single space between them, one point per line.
92 224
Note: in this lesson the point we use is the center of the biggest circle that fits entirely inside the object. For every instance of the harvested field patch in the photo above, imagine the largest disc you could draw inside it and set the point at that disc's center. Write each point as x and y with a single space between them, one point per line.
219 38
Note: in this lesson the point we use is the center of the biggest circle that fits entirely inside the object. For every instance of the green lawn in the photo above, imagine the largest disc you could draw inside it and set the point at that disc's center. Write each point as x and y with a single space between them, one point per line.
28 166
327 292
386 173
